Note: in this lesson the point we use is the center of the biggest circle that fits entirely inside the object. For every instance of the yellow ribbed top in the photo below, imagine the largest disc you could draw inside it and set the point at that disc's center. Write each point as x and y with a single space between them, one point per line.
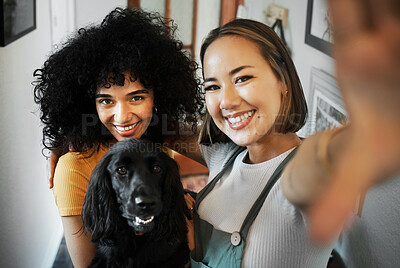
71 179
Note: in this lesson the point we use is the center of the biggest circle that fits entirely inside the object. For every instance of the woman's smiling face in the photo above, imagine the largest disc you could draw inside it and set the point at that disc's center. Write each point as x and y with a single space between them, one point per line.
243 95
126 111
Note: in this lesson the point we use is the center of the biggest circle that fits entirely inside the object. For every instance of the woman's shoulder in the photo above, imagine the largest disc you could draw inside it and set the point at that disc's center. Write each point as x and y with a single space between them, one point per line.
78 160
71 178
217 154
218 148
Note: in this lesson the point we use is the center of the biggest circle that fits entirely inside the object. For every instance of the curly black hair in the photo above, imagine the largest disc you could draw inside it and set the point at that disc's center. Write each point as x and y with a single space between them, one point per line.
128 40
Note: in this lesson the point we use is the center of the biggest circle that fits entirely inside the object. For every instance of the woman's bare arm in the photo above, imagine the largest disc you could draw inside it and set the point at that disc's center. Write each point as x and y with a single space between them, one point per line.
309 173
80 247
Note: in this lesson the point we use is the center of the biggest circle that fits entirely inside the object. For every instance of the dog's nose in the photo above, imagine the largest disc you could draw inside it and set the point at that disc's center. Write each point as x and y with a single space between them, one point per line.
145 203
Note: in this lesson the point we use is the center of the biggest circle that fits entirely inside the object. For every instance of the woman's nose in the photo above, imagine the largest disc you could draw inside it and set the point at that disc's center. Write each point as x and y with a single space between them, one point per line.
229 98
121 113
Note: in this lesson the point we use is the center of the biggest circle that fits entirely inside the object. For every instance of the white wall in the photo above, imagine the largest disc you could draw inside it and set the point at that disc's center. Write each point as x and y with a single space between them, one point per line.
304 55
30 226
62 20
153 5
208 18
94 11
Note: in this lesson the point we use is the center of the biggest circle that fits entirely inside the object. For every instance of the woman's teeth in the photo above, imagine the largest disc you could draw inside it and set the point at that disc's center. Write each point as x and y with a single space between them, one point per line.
237 119
126 128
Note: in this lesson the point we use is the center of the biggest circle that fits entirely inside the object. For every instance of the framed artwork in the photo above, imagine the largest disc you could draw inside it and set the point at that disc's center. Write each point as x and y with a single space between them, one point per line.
318 26
17 18
326 107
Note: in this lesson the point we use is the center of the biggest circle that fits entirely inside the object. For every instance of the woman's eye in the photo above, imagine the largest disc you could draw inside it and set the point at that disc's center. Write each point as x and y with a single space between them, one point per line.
105 101
156 169
211 88
243 79
137 98
122 171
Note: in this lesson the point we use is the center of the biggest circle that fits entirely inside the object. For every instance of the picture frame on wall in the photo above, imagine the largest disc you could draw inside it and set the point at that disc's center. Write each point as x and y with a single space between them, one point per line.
319 27
326 106
17 18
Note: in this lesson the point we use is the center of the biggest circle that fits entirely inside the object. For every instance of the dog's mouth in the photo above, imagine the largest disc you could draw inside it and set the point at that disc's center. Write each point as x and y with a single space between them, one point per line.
144 221
141 225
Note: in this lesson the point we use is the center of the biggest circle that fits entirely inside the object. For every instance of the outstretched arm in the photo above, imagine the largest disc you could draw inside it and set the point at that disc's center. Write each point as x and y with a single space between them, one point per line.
367 53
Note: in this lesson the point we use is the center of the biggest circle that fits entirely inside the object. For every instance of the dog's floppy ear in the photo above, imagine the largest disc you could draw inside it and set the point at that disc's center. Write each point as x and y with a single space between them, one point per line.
100 211
174 200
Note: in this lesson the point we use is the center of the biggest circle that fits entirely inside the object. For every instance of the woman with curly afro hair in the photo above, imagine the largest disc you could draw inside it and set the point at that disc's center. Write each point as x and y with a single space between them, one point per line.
125 78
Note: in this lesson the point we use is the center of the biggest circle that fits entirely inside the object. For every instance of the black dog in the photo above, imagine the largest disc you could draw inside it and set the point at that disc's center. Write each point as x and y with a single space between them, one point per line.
135 208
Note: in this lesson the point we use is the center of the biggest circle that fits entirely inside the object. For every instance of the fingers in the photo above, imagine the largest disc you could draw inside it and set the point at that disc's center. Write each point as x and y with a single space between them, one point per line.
71 148
52 162
348 18
352 16
385 9
367 49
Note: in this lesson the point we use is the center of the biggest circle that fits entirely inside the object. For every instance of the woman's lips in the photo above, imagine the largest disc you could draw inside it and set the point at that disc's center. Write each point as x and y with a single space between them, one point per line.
126 131
239 120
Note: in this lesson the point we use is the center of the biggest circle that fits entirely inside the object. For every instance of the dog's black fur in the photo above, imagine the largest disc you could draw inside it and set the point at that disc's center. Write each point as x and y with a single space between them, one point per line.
136 179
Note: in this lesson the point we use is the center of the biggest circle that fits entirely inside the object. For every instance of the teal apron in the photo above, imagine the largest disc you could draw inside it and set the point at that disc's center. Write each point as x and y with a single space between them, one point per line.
219 249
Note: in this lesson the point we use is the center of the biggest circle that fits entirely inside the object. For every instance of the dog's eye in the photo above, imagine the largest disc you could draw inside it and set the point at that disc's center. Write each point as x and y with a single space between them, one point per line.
121 170
156 169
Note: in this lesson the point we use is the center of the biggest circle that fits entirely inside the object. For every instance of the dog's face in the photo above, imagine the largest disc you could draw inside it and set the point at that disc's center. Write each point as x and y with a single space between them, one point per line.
136 188
137 185
137 176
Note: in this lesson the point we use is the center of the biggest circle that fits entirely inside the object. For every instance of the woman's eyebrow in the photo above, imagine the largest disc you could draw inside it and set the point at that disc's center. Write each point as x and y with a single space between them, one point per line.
231 73
140 91
238 69
211 79
102 96
133 93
